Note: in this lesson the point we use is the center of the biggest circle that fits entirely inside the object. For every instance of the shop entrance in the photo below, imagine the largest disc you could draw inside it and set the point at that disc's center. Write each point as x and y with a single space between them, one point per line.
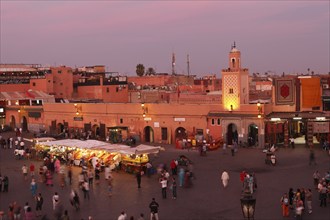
24 124
117 134
12 122
252 135
180 133
275 133
232 134
95 131
298 131
59 128
148 134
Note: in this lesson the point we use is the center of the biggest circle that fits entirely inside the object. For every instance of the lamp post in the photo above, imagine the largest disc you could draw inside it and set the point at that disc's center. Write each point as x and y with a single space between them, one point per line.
248 204
259 109
144 109
78 109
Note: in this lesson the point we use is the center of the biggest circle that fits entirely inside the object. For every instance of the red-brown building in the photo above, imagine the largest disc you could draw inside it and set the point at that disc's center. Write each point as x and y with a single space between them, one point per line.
167 108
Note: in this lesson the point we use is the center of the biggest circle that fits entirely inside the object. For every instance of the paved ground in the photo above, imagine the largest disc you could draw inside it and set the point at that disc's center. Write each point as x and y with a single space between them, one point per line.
206 200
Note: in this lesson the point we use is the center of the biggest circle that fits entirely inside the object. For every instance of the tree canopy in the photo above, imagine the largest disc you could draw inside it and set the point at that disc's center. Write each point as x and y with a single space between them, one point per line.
140 69
150 71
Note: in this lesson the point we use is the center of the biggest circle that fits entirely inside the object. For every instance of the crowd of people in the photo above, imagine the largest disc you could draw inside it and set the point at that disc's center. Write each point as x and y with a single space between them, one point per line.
299 201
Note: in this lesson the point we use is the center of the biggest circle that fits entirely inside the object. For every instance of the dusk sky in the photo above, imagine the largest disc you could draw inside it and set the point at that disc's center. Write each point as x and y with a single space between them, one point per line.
276 36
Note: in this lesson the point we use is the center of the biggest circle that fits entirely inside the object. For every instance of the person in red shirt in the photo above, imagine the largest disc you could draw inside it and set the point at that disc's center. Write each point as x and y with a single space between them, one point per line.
242 177
173 166
32 170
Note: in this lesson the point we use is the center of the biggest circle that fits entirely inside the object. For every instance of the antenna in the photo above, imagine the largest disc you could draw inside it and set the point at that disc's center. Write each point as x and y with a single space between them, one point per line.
173 63
188 66
234 45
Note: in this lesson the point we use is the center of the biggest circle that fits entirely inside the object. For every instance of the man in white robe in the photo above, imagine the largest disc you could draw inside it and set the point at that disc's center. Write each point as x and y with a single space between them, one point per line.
225 178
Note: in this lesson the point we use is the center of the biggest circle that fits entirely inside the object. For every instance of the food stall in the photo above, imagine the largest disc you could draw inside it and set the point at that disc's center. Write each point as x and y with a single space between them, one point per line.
84 152
133 159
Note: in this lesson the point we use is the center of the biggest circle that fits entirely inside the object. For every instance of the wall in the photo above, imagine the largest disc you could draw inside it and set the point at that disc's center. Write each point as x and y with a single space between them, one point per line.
14 87
63 82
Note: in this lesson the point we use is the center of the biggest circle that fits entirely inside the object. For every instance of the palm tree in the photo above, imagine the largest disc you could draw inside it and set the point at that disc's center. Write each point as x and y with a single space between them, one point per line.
140 69
150 71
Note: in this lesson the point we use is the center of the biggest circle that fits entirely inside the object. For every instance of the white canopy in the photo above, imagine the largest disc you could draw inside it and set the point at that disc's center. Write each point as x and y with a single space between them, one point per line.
141 149
100 145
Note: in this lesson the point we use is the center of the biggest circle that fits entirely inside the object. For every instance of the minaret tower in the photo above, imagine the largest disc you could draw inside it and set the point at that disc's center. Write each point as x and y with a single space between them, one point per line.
173 63
234 58
235 82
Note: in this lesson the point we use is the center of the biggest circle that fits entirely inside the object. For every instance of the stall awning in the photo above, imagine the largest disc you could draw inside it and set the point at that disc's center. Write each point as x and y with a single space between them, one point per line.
141 149
100 145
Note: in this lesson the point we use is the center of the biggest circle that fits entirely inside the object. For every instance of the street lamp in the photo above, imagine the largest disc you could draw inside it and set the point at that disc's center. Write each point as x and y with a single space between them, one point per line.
144 109
78 109
259 109
248 205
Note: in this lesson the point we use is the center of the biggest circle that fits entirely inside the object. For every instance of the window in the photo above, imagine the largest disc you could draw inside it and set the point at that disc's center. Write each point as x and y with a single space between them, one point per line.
33 84
36 102
218 121
199 131
61 84
212 121
117 89
59 71
108 90
121 121
231 90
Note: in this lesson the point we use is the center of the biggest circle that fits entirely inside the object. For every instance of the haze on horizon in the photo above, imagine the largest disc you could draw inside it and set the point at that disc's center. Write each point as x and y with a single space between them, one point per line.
274 36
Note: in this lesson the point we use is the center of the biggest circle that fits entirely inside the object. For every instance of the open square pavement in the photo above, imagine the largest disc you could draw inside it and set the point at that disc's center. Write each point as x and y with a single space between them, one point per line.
205 200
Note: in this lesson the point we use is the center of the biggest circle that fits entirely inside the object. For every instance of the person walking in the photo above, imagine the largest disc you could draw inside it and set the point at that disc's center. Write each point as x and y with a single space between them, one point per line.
39 203
32 168
56 200
163 182
299 210
85 188
74 199
291 197
181 177
70 174
90 176
173 187
292 142
232 149
242 177
24 171
173 166
5 183
141 217
138 178
122 216
285 205
309 199
65 216
316 178
33 187
154 209
312 158
225 178
323 195
17 211
107 171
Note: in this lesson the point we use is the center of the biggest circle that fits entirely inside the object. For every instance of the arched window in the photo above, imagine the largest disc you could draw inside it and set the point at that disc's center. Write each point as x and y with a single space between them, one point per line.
233 62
